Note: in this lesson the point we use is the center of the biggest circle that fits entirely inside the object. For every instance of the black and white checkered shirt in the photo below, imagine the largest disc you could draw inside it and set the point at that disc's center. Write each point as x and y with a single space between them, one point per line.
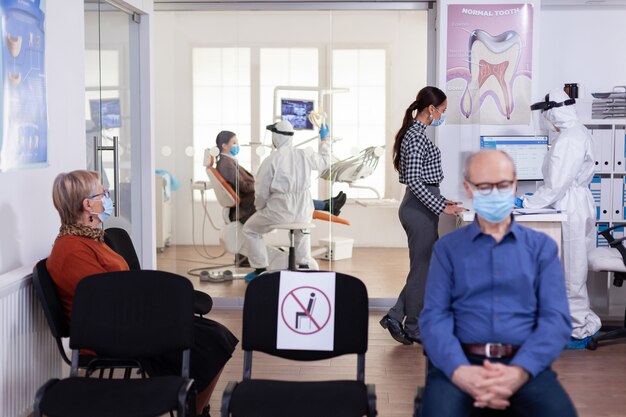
420 163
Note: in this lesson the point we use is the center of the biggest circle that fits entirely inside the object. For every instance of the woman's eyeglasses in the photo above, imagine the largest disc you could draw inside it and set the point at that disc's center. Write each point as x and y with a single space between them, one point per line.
105 193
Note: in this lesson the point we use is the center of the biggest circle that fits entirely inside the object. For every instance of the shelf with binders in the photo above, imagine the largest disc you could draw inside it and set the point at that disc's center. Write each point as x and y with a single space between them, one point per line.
608 185
608 188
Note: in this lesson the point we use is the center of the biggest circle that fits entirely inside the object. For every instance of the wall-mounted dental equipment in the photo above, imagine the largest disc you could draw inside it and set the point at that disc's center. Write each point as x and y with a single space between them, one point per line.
354 168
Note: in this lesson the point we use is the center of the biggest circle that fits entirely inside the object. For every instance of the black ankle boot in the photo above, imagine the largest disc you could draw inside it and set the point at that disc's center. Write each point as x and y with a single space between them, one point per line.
338 202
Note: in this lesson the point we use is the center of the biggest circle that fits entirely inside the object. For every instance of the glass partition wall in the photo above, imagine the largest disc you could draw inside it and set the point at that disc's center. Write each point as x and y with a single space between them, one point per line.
356 71
111 108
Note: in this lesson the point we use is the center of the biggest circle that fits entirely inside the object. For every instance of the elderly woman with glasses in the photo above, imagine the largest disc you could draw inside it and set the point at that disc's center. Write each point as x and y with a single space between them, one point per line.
79 251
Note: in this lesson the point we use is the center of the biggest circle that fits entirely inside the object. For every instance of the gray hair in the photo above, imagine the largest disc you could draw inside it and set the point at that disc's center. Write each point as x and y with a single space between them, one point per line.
470 160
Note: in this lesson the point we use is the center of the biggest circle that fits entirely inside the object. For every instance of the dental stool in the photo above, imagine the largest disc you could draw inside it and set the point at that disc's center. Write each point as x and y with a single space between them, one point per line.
292 227
611 259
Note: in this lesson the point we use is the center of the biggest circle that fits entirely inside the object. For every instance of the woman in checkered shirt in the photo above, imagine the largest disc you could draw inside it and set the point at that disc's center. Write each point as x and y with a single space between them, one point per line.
418 162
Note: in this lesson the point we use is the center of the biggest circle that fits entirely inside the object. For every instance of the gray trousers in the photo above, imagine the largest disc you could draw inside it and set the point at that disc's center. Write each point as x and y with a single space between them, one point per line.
421 227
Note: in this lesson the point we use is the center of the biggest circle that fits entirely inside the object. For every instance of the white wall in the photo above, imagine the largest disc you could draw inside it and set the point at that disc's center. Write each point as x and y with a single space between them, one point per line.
28 220
176 33
583 45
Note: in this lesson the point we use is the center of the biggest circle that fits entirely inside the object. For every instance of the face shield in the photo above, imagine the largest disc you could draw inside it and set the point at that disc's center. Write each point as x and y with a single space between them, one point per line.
541 111
281 133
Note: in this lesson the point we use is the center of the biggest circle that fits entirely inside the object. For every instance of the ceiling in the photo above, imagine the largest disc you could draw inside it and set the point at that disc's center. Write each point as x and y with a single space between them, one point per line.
195 3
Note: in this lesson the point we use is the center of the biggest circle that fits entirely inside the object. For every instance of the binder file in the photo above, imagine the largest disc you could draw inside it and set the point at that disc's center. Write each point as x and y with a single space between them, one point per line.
595 192
597 149
603 149
623 195
617 208
606 186
619 162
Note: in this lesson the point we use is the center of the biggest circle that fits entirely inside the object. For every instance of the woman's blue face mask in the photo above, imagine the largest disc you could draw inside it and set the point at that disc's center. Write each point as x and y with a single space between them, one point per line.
234 150
107 205
442 118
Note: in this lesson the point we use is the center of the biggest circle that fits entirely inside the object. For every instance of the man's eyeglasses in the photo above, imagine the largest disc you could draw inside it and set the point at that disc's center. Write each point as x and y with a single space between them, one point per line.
485 188
105 193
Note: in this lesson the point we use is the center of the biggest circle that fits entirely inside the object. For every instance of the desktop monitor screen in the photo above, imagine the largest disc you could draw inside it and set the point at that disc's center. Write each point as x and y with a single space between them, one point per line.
109 110
527 152
296 112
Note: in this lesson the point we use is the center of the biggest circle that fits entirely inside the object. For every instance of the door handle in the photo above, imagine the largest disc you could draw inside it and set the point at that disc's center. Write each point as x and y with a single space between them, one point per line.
116 169
116 174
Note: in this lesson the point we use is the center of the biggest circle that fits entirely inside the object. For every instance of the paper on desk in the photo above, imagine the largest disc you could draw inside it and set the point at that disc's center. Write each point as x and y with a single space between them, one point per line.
524 211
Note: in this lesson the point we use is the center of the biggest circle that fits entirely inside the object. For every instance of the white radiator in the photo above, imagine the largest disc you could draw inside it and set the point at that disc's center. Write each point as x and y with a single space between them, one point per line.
28 352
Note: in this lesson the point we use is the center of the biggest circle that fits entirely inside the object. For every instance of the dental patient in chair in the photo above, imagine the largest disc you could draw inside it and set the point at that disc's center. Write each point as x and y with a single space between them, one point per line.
242 182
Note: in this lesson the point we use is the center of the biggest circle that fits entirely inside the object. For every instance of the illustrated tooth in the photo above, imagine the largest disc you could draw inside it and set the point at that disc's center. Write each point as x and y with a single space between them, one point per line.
14 43
493 63
466 102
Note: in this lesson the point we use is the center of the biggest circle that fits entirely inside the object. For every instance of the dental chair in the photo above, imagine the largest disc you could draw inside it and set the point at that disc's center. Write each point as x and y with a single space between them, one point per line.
231 235
355 168
611 259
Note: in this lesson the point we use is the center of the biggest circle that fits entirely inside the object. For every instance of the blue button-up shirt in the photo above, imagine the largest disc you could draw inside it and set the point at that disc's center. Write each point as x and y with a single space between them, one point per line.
482 291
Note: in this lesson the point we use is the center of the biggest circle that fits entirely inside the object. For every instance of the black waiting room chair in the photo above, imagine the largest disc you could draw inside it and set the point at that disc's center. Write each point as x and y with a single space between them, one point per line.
45 291
120 241
336 398
126 315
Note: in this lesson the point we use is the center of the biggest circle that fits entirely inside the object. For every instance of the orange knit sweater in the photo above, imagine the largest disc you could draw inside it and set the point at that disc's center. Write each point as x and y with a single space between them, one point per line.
74 258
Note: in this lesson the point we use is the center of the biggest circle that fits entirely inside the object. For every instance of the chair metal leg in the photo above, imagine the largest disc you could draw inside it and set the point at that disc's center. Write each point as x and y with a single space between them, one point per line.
228 393
613 333
371 401
417 401
292 251
186 400
40 394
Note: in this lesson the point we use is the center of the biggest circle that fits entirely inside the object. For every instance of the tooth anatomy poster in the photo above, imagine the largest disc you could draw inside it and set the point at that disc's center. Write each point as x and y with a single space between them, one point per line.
489 63
23 112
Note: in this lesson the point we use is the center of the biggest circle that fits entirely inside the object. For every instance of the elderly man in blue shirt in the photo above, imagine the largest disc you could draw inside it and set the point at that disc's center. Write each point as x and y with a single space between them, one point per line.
495 311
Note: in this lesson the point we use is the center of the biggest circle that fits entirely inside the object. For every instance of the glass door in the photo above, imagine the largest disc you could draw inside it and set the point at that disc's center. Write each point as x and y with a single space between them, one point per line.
111 107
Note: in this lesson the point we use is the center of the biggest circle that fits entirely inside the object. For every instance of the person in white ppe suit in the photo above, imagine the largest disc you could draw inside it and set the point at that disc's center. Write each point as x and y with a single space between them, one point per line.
567 171
282 195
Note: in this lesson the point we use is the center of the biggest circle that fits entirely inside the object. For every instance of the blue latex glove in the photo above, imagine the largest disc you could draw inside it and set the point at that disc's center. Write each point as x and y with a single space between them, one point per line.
519 202
324 131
